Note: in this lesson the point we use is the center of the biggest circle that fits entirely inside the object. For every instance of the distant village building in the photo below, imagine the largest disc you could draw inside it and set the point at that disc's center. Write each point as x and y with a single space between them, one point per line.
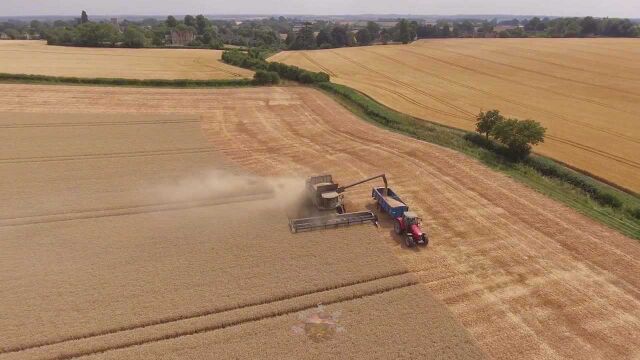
182 37
4 36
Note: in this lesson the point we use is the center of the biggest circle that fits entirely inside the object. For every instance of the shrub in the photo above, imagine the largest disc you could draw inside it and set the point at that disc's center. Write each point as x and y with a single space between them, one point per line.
304 76
518 136
262 77
488 144
607 199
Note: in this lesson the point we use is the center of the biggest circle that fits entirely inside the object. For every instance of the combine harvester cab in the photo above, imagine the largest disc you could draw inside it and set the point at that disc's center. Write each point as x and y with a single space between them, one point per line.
322 192
406 222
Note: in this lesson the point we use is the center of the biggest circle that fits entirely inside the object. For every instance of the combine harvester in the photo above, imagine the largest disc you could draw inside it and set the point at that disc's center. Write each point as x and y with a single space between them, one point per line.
326 196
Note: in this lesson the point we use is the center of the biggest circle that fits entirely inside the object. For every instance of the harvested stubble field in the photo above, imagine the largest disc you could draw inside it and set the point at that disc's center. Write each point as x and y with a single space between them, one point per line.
527 276
124 233
36 57
585 91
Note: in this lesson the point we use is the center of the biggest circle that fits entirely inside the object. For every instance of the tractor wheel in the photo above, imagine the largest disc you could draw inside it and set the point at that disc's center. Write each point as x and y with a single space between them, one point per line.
408 240
397 228
425 240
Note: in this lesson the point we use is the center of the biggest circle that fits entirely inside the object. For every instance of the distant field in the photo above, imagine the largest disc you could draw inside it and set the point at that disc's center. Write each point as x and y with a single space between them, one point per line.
585 91
35 57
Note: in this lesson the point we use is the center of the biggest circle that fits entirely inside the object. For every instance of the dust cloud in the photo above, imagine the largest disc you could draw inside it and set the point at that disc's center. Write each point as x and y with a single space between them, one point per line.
220 184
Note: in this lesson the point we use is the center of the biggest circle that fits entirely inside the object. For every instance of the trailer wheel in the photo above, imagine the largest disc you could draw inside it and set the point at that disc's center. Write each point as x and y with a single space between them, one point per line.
408 240
396 227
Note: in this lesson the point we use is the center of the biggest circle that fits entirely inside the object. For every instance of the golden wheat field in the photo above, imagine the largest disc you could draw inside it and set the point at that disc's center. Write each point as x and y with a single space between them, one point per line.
36 57
124 233
585 91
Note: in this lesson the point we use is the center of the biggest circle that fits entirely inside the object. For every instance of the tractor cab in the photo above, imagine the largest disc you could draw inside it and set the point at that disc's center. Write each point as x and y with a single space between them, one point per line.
409 224
410 218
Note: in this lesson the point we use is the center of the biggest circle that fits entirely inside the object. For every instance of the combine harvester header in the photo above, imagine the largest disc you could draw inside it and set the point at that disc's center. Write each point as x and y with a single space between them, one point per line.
332 221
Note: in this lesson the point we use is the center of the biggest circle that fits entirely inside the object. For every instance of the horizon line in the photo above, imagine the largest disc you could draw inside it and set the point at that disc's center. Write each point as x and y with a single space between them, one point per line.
318 15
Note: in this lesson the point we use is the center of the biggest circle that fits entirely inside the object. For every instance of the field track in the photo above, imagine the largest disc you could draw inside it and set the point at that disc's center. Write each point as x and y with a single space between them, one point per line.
575 87
35 57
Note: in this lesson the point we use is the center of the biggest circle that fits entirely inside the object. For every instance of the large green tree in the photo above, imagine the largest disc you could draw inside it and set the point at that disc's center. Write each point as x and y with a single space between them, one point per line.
385 36
201 24
374 30
485 122
589 26
404 32
94 34
133 37
324 38
291 37
171 21
363 36
304 40
519 136
340 36
189 20
84 18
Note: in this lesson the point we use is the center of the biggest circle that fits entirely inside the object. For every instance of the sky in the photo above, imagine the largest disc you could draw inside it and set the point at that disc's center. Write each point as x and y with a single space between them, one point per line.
601 8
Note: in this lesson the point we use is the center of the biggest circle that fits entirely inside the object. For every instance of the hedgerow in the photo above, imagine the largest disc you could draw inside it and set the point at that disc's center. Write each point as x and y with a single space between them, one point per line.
254 61
262 77
129 82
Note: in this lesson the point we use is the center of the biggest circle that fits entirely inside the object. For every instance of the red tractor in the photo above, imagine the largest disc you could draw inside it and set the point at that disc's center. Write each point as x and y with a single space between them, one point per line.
407 223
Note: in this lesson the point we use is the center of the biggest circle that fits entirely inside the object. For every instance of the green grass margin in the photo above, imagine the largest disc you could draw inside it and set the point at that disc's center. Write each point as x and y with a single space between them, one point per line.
168 83
620 219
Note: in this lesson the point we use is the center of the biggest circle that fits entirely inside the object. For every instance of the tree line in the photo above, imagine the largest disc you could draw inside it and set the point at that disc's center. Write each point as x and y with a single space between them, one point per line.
287 33
534 27
326 35
152 32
